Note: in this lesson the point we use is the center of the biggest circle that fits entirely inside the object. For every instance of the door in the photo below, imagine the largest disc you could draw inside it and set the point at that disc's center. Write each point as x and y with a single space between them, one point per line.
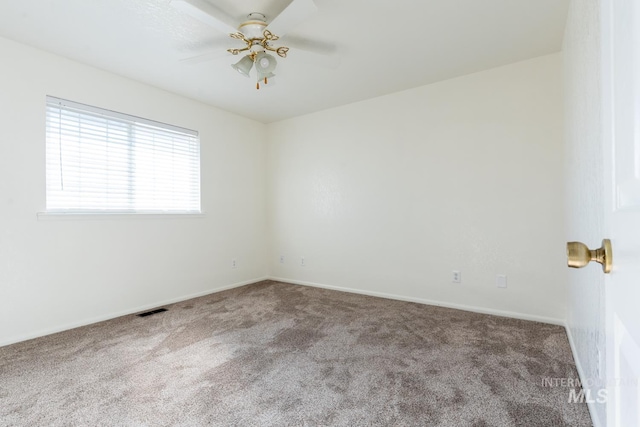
621 139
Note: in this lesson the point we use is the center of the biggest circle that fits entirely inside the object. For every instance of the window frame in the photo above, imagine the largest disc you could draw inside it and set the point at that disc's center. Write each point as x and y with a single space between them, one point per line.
131 121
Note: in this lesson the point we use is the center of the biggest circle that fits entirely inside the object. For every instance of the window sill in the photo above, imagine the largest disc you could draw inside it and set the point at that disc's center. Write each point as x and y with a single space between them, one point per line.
100 216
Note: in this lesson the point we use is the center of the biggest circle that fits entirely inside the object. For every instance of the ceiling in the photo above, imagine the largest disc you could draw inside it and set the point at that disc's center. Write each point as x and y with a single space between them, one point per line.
380 46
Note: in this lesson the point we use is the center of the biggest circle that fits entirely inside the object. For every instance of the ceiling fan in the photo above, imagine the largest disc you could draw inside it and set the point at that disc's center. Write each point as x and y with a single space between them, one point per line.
256 34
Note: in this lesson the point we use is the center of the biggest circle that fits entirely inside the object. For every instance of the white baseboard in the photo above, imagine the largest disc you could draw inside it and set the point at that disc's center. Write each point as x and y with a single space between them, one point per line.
109 316
583 379
474 309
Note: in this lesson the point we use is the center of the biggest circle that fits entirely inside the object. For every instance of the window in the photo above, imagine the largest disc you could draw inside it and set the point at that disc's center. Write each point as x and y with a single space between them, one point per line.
100 161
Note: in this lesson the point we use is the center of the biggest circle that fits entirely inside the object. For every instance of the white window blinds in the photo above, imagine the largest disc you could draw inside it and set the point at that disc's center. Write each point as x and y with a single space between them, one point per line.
103 161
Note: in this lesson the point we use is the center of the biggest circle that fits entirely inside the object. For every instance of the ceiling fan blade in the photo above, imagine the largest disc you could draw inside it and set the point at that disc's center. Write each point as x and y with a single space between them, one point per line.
204 57
207 13
292 15
313 52
309 58
320 47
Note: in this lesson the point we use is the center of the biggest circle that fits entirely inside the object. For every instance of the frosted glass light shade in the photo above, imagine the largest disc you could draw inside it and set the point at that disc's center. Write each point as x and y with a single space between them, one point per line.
243 66
265 63
262 76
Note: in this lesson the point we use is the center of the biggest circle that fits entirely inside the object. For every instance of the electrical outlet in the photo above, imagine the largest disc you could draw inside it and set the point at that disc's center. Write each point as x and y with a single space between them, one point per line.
281 259
234 263
302 264
501 280
456 276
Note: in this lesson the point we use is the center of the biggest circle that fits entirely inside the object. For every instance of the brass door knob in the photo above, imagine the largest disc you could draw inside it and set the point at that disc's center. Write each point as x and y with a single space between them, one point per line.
579 255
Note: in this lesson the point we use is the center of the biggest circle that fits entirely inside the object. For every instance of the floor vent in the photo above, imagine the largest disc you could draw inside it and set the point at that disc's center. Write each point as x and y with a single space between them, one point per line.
149 313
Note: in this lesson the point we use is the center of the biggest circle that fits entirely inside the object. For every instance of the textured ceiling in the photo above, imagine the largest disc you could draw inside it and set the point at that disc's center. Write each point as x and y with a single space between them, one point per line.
383 46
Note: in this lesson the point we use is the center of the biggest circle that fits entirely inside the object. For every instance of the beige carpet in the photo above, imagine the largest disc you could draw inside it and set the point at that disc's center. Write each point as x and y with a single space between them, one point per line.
274 354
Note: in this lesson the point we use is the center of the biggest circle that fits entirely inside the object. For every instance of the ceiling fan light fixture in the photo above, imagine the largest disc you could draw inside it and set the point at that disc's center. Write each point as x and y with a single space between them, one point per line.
255 33
265 76
265 63
243 66
258 41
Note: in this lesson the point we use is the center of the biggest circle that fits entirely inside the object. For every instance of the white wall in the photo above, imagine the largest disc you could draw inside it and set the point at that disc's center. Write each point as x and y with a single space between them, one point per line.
584 188
389 195
55 274
385 196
